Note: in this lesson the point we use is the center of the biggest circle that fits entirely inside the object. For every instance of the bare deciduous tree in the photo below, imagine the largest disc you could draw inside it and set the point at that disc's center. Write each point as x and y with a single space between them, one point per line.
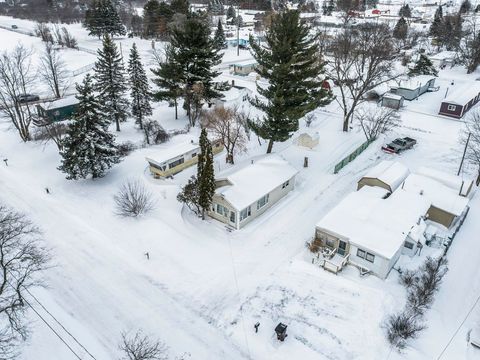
362 59
141 347
16 78
228 125
472 127
133 199
51 131
469 47
22 258
43 31
375 120
53 71
68 39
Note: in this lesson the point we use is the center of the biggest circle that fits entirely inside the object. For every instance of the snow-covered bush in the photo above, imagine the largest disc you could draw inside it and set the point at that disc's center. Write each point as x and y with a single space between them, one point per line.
190 195
126 148
133 199
141 347
402 327
155 133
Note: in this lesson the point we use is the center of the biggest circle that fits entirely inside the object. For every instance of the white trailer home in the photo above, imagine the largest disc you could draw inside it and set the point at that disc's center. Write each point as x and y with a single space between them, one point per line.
244 193
370 230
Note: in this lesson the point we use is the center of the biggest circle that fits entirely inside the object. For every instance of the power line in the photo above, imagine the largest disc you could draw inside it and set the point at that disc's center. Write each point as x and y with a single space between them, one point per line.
456 331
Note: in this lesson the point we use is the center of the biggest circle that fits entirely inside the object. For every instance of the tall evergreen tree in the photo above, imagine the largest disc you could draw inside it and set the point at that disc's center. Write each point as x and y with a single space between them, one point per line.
140 92
102 18
195 53
465 7
400 30
113 24
93 19
169 79
423 66
219 37
405 11
88 148
436 29
290 63
205 173
111 82
180 7
231 12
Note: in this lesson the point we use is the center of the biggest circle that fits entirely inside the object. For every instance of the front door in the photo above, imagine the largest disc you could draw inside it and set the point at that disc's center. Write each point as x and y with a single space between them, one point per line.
342 248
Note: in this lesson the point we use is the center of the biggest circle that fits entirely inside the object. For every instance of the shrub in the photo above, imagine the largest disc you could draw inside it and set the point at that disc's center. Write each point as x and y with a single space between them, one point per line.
133 199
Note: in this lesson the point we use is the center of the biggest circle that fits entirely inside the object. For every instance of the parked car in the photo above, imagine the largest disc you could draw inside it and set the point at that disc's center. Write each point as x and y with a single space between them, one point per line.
26 98
398 145
243 47
14 26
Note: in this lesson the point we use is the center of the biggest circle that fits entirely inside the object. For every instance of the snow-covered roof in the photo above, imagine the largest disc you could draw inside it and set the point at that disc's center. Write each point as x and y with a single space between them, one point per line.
253 181
462 94
375 224
392 173
66 101
457 183
415 82
439 195
245 63
392 96
444 55
169 152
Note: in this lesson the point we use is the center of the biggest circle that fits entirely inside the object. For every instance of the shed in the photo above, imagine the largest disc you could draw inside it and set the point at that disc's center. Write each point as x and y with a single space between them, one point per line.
243 67
413 87
58 110
392 101
460 100
307 140
447 206
387 174
245 192
444 58
373 231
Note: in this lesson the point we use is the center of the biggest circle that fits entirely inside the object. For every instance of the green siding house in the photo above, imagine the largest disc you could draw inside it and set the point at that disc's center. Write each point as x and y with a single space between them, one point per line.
58 110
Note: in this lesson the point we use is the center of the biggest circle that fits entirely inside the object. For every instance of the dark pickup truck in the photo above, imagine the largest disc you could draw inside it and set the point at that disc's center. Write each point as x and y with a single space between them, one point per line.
398 145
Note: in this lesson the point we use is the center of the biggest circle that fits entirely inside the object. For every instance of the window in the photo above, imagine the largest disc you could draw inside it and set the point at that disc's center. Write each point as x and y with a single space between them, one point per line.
452 107
330 242
245 213
262 202
175 163
222 210
408 245
232 216
285 184
193 155
365 255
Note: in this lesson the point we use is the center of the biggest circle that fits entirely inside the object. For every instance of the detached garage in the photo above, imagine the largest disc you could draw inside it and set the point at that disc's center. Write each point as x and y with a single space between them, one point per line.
388 175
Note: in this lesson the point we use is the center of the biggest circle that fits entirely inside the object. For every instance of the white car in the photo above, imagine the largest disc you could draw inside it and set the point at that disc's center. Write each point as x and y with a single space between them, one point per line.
475 336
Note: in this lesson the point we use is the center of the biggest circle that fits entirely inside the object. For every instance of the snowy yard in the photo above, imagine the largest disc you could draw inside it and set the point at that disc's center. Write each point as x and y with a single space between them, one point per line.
204 287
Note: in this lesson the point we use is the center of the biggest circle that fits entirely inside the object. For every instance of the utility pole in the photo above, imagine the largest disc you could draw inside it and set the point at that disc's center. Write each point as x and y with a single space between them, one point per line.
238 30
464 152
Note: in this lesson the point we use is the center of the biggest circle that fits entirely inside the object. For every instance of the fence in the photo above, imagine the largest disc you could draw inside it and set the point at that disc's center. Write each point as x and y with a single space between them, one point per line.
345 161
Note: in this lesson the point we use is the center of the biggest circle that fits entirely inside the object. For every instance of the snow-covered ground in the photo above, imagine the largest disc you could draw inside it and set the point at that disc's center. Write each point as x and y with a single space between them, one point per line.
204 287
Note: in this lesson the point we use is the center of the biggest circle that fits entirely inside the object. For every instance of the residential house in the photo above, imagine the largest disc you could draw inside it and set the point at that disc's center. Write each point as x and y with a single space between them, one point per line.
370 230
244 193
243 67
170 160
462 186
387 174
413 87
460 100
443 59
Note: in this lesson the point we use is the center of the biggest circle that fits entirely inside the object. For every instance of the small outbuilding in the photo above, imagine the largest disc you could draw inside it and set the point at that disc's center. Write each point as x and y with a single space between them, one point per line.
460 100
446 205
443 59
58 110
243 67
307 140
388 175
415 86
244 193
392 101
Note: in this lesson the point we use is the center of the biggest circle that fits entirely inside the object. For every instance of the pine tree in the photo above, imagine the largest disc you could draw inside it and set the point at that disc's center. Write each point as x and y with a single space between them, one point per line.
88 148
168 77
423 66
330 7
150 18
400 30
205 173
405 11
436 29
231 12
140 92
113 25
180 7
195 54
465 7
93 19
111 82
290 63
219 38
